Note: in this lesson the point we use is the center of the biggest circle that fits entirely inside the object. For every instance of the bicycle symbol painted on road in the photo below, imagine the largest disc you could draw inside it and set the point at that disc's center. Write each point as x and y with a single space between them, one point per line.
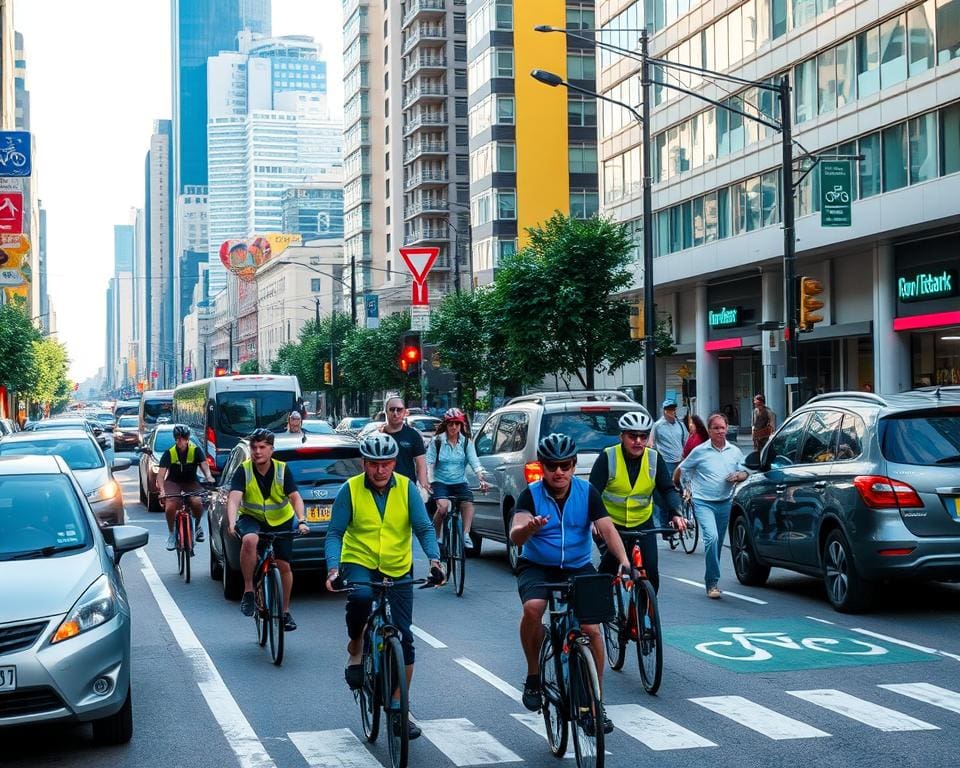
837 195
748 646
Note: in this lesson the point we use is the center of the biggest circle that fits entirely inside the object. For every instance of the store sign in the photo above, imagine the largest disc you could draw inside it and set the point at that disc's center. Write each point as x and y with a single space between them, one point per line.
725 317
836 185
922 286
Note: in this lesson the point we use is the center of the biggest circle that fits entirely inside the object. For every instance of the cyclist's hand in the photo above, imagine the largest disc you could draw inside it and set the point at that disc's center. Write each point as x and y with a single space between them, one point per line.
678 522
625 571
536 522
484 486
334 582
437 577
302 528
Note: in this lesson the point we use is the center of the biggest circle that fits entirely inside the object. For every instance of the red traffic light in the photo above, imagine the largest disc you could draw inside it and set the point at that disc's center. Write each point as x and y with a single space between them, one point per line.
220 371
411 355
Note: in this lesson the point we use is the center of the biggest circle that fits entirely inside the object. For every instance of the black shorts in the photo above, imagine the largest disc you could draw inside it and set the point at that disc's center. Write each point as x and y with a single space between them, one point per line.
531 575
282 547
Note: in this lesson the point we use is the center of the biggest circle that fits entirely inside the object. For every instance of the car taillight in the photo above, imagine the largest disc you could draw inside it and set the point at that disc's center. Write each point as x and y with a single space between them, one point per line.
595 409
879 492
532 471
211 448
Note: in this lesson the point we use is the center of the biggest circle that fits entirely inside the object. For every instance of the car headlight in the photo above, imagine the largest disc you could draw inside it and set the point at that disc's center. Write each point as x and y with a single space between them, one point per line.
104 492
95 607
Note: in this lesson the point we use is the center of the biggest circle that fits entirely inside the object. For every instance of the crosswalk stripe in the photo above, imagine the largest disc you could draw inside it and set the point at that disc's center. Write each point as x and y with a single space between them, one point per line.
534 721
866 712
651 729
333 749
465 744
929 694
758 718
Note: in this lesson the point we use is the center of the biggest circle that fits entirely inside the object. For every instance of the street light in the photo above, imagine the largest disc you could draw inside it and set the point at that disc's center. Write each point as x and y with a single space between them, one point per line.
352 285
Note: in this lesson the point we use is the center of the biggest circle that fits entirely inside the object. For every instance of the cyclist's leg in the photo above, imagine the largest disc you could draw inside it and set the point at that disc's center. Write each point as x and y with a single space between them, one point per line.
651 557
195 503
248 528
401 609
442 498
462 491
359 600
170 504
534 599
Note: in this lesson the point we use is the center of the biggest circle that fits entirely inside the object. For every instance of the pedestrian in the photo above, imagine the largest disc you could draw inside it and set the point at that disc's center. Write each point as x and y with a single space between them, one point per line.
713 469
667 438
295 424
697 431
411 461
764 422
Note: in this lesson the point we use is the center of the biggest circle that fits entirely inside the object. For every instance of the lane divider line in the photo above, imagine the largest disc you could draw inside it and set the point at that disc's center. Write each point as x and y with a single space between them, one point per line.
905 643
426 637
487 676
736 595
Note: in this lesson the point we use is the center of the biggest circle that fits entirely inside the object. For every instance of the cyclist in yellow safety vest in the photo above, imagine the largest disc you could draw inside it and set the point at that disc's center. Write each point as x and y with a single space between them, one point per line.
627 475
264 499
178 472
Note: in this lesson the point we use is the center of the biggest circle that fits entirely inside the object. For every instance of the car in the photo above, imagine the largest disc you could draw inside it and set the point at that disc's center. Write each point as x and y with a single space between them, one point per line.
126 435
64 612
425 425
105 417
858 489
506 445
370 427
317 427
157 442
85 459
73 422
8 427
351 425
320 465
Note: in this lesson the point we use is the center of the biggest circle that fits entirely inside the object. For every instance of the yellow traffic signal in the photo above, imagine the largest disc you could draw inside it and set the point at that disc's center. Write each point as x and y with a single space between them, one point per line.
810 304
637 328
327 373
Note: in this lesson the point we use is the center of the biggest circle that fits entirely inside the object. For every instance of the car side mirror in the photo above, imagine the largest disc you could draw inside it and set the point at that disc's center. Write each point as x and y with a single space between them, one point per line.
752 461
145 450
125 538
121 464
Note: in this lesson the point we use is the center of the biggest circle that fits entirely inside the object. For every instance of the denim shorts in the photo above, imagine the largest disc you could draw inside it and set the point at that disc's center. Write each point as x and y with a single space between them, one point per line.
451 491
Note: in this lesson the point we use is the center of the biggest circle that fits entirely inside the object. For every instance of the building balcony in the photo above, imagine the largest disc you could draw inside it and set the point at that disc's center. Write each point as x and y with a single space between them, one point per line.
425 206
425 92
419 235
424 120
424 32
434 64
424 9
427 179
424 148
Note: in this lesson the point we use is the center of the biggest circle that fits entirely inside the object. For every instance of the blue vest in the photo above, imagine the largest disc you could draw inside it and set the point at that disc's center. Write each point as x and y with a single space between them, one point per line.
566 541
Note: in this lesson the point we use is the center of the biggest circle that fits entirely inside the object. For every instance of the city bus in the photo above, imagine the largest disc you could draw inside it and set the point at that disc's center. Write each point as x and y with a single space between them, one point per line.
223 410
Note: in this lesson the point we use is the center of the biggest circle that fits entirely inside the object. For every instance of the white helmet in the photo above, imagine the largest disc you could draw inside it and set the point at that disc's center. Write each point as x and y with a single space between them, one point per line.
378 446
635 421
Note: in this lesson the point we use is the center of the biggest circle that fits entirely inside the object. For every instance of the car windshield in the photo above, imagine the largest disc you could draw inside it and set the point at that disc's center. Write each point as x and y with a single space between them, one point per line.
40 516
154 409
318 465
123 410
243 412
358 422
317 427
922 438
592 429
60 424
128 422
79 453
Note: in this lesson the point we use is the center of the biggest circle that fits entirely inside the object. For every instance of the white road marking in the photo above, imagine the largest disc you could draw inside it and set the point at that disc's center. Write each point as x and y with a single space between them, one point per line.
866 712
654 730
758 718
333 749
236 729
822 621
905 644
465 744
929 694
534 721
736 595
487 676
426 637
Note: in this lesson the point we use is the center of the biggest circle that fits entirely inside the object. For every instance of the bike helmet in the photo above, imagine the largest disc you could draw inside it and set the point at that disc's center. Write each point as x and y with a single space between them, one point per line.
181 430
378 446
261 436
454 414
556 447
635 421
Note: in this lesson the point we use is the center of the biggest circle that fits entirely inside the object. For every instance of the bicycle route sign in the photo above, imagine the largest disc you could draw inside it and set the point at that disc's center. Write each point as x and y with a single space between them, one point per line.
781 645
15 153
836 193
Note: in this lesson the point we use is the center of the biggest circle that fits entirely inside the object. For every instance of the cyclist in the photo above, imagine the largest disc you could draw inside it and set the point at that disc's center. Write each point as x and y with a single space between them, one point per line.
370 537
410 459
447 458
552 521
626 475
264 499
178 472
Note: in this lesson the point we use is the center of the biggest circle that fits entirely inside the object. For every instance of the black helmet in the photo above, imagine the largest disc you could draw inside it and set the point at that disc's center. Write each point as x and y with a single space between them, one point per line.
261 436
181 430
556 447
379 446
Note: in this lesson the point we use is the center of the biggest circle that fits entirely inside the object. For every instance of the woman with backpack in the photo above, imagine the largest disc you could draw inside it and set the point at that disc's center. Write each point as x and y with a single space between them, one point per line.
447 457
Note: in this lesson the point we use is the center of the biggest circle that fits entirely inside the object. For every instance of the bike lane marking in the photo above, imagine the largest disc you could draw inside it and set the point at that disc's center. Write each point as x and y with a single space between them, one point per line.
738 596
237 730
894 640
758 718
866 712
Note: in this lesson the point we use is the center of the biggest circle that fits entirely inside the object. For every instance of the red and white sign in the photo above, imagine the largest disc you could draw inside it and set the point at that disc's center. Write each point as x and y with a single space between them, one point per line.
419 297
419 261
11 213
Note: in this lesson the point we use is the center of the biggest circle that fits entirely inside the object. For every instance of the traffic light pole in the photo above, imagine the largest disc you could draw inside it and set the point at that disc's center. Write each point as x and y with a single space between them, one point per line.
790 297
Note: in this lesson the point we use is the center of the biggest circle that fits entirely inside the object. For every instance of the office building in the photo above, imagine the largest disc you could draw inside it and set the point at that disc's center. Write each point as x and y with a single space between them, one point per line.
157 281
314 210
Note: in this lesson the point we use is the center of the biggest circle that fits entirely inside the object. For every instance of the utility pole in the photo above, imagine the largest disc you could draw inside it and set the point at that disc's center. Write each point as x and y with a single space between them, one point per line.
353 291
789 248
649 313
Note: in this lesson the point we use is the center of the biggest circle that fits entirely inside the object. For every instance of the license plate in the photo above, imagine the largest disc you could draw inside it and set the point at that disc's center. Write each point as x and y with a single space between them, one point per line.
953 505
319 514
8 678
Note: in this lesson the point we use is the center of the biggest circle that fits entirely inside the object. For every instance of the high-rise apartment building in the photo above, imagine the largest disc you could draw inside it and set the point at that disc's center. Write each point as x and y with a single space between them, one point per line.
533 149
873 79
158 281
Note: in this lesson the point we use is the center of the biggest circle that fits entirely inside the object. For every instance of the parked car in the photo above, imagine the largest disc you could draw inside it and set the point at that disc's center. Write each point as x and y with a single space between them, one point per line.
156 443
64 613
351 425
8 427
85 459
855 488
72 422
320 466
126 435
506 446
425 425
317 427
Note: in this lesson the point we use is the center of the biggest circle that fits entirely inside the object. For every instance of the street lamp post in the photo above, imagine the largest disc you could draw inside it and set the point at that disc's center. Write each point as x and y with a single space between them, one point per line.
352 285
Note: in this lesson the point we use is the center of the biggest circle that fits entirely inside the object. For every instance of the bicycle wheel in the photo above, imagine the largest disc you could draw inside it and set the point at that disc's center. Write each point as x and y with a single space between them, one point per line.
395 705
458 564
649 643
586 709
184 546
368 695
691 536
553 702
259 609
274 606
615 634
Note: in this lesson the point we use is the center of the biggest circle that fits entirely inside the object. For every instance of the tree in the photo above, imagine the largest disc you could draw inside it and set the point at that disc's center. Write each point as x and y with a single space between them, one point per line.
369 358
460 330
52 388
554 296
250 366
18 371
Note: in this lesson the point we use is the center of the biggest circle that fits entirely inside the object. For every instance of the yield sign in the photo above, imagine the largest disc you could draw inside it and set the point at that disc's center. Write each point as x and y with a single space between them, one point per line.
419 261
11 212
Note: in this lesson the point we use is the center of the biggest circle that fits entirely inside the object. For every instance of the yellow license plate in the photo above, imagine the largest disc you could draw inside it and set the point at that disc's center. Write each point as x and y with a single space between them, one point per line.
319 514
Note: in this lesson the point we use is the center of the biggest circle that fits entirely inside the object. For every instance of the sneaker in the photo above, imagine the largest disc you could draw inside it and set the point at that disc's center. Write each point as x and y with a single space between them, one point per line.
247 604
531 696
198 534
172 542
586 723
607 725
413 730
713 592
289 625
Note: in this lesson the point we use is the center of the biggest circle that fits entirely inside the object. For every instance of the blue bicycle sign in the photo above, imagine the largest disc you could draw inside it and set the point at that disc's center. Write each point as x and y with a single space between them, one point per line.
15 153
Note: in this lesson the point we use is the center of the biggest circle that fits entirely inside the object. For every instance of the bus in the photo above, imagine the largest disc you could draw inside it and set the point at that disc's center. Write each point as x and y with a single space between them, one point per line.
156 407
223 410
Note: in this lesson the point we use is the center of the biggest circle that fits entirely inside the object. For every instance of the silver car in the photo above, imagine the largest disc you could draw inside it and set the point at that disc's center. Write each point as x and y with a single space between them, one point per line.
64 614
85 459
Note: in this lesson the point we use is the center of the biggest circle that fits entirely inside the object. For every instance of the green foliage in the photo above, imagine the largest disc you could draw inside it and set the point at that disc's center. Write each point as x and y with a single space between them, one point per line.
460 330
52 386
368 358
250 366
18 368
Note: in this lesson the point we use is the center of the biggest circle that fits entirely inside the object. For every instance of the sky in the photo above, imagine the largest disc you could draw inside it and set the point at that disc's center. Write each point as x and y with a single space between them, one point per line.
97 81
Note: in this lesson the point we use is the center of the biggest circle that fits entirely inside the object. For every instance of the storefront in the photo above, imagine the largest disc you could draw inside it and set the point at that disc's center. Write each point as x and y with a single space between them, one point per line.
928 308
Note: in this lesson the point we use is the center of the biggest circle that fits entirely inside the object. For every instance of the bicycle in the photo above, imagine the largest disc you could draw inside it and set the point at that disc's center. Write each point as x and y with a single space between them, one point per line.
690 536
639 620
183 529
569 685
268 597
452 545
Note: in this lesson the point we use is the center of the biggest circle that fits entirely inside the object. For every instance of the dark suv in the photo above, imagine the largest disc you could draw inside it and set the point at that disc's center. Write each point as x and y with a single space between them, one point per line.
856 488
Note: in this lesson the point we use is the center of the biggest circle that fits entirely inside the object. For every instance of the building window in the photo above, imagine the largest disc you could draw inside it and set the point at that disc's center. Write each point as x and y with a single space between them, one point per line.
827 81
894 157
506 110
869 167
868 62
584 203
580 17
582 158
806 90
581 111
948 30
923 147
950 139
846 80
893 52
506 157
504 65
506 204
507 248
581 66
315 285
920 21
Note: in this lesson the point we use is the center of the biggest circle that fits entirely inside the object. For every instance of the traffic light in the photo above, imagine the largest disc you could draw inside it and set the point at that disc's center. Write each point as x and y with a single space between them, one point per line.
219 371
637 329
810 304
410 353
327 373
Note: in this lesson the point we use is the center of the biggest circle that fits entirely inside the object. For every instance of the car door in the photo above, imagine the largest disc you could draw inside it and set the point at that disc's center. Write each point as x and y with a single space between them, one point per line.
486 516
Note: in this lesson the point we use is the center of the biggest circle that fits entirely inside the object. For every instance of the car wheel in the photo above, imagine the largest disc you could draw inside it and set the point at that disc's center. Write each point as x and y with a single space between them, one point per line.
749 571
847 590
216 570
513 550
232 580
476 541
117 728
153 503
143 496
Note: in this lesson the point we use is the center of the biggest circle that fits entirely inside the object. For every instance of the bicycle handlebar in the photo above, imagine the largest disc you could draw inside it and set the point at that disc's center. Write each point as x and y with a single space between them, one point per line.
647 532
184 495
383 586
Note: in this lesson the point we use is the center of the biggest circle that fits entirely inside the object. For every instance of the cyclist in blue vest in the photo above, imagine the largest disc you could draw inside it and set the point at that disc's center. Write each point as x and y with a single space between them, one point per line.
178 472
553 520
